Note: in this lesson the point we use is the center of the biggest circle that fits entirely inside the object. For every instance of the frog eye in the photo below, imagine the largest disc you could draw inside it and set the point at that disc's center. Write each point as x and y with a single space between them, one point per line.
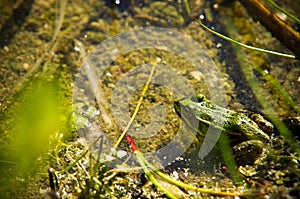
198 98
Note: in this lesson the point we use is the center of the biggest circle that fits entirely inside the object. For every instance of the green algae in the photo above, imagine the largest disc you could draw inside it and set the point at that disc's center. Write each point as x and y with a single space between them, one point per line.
50 90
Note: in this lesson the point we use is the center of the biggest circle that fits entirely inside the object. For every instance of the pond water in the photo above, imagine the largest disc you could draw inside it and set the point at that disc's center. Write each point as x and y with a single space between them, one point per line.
72 73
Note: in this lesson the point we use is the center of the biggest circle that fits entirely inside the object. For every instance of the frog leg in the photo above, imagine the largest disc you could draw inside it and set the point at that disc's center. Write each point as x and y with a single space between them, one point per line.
248 151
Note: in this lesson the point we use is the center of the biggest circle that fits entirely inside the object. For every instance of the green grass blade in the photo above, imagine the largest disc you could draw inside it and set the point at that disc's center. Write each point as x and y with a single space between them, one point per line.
246 46
283 11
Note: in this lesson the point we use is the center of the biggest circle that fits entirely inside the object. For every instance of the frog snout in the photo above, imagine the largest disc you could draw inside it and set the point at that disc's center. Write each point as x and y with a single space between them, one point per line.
177 107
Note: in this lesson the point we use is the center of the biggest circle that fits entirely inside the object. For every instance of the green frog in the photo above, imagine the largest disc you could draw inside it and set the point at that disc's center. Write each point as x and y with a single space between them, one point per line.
247 132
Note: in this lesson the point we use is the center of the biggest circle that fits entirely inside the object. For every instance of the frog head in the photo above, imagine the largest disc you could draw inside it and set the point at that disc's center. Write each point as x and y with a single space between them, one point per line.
187 109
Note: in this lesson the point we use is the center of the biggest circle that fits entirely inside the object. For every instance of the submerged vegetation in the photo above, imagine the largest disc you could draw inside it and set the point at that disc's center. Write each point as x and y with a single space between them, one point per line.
40 129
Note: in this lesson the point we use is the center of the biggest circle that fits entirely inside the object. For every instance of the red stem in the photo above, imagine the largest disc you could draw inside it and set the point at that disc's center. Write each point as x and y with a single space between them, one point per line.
131 142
